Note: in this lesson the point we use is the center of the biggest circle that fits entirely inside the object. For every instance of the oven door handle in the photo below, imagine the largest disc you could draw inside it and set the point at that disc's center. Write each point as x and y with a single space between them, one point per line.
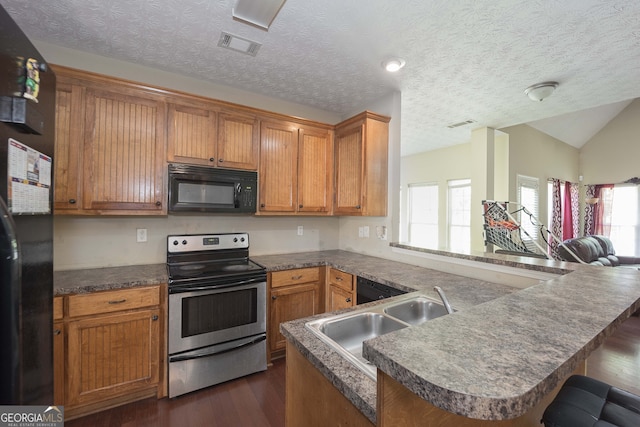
174 289
217 349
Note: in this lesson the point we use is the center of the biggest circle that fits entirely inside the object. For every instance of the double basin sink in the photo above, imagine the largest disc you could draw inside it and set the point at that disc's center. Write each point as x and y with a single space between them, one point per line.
346 332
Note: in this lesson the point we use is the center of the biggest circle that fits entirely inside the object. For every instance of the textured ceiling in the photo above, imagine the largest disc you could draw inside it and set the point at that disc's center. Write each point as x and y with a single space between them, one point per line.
465 59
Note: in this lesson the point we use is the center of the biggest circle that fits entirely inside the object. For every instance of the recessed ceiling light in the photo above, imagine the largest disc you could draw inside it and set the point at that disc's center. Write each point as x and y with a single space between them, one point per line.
540 91
393 64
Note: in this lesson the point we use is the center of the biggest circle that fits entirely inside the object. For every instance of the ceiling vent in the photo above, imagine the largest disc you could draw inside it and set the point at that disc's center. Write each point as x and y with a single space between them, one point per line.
457 125
229 41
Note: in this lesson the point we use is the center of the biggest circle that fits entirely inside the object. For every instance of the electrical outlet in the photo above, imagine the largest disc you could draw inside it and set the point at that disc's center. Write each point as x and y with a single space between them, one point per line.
381 232
300 230
365 232
141 235
360 231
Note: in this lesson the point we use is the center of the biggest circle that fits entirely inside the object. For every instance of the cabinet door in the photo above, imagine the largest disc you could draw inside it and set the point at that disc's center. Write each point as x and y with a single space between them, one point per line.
238 143
124 153
315 171
191 135
339 298
349 170
58 363
289 303
112 355
68 148
278 167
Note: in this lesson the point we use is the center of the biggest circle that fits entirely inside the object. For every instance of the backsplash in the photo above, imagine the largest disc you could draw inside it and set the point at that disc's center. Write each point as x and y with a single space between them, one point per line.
92 242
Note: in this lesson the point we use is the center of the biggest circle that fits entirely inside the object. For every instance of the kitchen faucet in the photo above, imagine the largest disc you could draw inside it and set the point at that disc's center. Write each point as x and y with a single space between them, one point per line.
444 299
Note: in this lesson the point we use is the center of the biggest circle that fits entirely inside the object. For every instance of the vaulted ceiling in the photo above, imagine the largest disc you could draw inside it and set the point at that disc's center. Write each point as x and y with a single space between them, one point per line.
465 60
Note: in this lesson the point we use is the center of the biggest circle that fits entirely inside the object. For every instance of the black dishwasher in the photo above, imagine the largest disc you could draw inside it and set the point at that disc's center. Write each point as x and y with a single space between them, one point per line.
368 291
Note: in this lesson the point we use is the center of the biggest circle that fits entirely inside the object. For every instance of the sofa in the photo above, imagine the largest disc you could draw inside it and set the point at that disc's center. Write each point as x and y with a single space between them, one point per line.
595 250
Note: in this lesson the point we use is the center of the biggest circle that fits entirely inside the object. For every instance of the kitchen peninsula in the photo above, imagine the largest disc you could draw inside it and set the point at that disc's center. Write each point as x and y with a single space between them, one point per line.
502 353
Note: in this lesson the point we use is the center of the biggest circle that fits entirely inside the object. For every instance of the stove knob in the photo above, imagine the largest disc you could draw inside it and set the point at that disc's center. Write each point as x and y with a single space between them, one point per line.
175 243
184 242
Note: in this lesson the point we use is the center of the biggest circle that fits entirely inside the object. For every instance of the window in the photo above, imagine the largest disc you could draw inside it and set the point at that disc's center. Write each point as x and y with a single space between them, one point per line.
625 230
459 215
423 215
528 198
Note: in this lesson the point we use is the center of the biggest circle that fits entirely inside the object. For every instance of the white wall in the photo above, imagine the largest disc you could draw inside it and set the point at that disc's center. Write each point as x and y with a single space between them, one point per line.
611 156
91 242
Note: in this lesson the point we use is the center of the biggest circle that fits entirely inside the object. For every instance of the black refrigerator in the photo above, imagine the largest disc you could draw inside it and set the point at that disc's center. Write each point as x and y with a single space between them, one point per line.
27 131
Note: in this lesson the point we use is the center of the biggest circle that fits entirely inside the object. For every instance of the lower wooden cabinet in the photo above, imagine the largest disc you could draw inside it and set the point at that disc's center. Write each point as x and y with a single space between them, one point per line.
110 344
341 290
294 294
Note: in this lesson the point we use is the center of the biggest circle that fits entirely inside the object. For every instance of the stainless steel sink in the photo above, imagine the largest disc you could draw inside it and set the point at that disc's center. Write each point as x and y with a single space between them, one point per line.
346 332
416 311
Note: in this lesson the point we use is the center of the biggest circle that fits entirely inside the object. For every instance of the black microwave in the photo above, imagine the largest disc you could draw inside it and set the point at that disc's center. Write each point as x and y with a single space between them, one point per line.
211 190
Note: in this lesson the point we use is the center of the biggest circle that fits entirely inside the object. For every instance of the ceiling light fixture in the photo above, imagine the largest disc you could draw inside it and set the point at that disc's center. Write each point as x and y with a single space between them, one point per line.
540 91
394 64
259 13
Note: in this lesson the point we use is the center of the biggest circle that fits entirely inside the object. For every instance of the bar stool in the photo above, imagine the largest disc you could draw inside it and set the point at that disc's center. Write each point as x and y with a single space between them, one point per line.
585 402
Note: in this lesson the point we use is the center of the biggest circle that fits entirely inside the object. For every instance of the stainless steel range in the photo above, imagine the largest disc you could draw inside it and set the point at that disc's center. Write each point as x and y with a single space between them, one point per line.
217 311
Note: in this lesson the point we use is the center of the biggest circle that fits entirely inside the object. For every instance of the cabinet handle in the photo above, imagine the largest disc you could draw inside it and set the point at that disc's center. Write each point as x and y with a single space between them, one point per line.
273 297
57 332
158 203
300 206
154 317
72 201
221 160
338 279
296 277
120 301
262 205
357 206
348 300
212 159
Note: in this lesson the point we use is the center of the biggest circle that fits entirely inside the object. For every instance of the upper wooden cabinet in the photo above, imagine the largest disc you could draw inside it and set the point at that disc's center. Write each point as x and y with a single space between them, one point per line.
238 141
205 136
296 168
68 147
110 147
361 153
124 151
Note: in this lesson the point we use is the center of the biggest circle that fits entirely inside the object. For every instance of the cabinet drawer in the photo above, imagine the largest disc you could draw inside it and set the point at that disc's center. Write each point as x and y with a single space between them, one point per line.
293 277
110 301
341 279
57 308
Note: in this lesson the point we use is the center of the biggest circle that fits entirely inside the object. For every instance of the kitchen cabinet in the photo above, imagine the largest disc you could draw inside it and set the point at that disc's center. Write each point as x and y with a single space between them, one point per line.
110 147
58 352
124 151
361 156
341 291
294 294
296 168
68 147
206 136
112 350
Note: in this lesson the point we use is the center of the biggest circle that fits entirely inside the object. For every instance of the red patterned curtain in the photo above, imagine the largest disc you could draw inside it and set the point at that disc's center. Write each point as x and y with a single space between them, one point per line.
556 217
570 211
589 211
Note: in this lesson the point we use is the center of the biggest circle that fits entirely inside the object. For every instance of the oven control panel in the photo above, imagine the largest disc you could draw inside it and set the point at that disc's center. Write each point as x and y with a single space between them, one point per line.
207 242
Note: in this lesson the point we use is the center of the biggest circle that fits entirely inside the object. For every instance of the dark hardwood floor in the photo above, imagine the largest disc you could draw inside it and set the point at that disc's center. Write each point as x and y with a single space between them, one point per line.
255 400
258 400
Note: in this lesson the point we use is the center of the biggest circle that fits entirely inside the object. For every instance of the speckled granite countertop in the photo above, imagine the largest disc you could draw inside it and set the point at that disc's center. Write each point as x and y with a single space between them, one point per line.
104 279
498 355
